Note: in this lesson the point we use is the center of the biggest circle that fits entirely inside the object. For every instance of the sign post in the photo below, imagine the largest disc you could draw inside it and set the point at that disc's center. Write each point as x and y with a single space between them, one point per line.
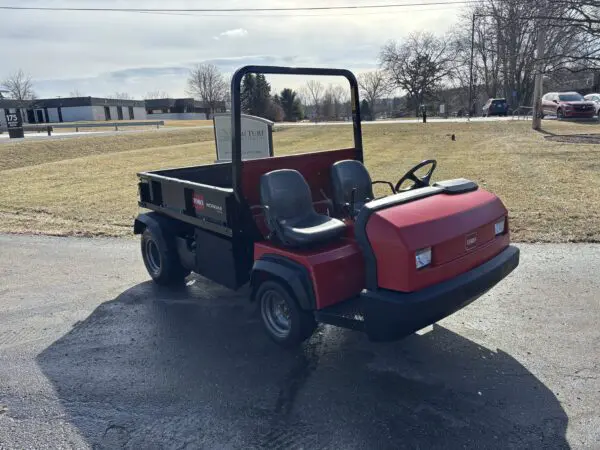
257 137
14 123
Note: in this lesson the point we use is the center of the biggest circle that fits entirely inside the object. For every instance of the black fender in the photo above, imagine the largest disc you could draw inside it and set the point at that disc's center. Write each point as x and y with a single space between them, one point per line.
163 228
293 274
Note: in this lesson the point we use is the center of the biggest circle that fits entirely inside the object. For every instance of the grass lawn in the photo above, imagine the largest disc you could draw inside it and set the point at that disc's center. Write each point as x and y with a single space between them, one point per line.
87 186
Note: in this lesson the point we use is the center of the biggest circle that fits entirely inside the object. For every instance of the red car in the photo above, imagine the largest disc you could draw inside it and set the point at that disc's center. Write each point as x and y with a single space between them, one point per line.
567 105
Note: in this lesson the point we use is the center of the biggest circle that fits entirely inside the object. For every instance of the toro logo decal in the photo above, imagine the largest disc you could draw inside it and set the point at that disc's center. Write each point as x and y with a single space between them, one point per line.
198 200
471 241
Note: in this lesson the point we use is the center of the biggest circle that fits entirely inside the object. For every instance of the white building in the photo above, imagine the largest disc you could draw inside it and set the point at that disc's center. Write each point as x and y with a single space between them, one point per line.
75 109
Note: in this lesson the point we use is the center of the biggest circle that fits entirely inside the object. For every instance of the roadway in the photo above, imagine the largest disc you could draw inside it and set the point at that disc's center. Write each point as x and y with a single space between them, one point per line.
72 134
93 355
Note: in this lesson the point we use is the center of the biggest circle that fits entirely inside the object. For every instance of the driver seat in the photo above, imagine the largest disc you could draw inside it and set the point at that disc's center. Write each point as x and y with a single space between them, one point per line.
289 211
347 176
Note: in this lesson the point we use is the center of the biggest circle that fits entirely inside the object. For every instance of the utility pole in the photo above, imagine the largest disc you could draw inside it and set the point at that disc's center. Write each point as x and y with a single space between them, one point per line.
536 120
471 68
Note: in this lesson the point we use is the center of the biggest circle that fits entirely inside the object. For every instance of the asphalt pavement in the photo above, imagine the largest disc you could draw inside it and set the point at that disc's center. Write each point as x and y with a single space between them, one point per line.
93 355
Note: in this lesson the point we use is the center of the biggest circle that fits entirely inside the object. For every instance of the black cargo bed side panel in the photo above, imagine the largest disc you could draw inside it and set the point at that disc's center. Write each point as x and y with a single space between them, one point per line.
218 175
197 204
222 259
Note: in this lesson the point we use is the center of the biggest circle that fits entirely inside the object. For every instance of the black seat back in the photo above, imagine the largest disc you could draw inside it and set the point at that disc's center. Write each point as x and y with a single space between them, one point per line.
347 175
291 216
286 194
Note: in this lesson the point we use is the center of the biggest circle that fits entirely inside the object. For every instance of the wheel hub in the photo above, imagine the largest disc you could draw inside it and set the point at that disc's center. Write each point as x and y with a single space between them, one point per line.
153 256
276 314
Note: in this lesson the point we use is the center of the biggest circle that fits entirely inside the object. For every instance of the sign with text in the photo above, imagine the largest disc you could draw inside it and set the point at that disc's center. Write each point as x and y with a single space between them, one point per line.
14 123
257 137
13 119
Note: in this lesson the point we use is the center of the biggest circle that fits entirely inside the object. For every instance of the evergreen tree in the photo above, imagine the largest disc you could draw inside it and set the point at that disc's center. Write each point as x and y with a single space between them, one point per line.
256 96
262 97
248 91
365 110
292 108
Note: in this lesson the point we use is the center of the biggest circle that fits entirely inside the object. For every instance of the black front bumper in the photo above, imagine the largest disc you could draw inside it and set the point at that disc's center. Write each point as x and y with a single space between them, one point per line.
390 315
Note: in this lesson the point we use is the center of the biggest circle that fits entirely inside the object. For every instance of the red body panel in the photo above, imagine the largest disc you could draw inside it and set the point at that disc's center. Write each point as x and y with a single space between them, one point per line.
337 270
315 168
442 222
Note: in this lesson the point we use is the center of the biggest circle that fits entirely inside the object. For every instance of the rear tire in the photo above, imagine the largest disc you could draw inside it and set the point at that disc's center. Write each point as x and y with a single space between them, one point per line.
283 320
162 262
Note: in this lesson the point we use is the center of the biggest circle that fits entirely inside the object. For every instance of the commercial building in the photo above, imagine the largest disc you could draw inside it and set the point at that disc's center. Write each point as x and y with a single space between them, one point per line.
11 106
181 109
74 109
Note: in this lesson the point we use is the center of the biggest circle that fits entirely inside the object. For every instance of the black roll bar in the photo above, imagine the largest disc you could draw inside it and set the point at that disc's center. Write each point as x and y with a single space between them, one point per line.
236 111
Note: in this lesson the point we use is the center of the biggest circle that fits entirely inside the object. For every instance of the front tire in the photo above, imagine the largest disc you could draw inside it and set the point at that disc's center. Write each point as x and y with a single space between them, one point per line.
283 320
162 262
560 115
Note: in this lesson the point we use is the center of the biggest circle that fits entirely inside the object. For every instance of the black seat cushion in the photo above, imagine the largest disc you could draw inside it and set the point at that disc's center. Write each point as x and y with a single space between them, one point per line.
290 213
347 175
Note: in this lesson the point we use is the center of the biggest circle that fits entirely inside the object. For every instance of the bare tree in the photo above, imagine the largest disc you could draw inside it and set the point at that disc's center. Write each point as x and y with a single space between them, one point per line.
315 89
121 96
579 22
506 33
157 94
373 86
419 65
206 83
75 93
340 97
19 86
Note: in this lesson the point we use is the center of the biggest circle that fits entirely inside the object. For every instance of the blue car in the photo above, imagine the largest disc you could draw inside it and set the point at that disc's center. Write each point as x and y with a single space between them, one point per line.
495 107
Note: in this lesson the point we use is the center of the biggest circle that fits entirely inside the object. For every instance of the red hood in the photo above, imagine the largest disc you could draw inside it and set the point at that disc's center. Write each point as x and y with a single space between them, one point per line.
573 103
444 223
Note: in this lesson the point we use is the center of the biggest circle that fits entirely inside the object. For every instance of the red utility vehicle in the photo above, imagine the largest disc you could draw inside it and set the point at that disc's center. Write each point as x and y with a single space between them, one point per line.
307 234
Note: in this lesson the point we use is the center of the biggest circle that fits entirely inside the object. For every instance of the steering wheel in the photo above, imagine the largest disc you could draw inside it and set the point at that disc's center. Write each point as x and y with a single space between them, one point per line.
417 182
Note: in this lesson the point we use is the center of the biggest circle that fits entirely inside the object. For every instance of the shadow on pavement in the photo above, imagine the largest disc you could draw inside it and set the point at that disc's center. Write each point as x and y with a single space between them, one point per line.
155 368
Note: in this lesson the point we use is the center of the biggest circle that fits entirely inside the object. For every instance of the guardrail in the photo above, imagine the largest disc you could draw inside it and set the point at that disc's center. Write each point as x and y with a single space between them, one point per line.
525 112
116 125
49 127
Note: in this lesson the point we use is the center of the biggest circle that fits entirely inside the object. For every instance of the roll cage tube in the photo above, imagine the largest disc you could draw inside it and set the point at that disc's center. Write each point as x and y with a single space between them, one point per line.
236 111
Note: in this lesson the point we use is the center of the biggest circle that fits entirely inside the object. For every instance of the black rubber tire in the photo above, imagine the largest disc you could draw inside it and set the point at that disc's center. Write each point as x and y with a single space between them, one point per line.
302 323
162 263
559 114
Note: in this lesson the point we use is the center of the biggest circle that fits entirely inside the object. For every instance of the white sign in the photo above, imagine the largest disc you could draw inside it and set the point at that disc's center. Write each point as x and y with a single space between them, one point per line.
257 141
442 109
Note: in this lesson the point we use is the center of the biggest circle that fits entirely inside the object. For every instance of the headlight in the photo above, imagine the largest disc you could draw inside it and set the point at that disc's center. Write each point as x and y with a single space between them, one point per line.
423 257
499 226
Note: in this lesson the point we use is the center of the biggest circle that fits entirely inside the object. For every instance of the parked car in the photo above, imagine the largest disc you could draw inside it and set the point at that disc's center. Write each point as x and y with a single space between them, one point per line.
495 107
596 99
567 105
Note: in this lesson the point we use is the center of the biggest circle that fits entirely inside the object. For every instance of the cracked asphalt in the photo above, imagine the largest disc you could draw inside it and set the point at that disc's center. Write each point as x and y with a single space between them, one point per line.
93 355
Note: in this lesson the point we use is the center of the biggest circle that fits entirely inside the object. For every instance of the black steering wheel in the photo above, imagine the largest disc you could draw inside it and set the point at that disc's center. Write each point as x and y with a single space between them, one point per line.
417 182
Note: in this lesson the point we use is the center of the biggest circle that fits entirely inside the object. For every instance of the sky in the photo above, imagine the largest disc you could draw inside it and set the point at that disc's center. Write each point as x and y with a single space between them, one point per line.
100 53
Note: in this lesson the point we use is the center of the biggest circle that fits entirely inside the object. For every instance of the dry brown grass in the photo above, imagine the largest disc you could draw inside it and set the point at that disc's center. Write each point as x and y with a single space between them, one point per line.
87 186
28 153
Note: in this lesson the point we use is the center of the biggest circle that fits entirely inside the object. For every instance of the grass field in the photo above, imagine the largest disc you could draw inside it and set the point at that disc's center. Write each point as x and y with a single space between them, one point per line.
87 186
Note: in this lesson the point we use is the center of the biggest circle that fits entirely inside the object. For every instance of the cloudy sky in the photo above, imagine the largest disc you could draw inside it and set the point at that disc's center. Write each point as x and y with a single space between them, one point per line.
99 53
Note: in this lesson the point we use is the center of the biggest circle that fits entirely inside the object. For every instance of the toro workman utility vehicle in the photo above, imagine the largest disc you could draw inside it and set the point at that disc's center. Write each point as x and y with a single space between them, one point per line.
307 234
